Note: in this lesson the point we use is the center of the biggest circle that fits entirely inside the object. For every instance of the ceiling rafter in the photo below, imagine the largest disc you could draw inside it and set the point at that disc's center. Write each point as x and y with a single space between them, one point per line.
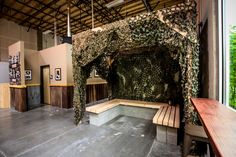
108 12
87 12
38 11
147 5
100 12
62 13
17 20
25 14
116 12
40 14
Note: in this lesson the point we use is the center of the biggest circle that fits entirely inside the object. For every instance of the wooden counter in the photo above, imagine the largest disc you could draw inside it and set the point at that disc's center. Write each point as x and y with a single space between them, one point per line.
220 125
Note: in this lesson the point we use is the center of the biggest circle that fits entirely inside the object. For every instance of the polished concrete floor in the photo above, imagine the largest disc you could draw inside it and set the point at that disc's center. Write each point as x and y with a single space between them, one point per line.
49 131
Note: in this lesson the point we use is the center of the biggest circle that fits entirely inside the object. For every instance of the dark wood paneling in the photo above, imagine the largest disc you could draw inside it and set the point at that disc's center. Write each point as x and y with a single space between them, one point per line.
19 99
56 96
67 95
96 92
62 96
12 97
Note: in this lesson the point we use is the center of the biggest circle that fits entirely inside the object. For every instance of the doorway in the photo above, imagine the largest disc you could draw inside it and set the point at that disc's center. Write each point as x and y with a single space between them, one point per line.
45 84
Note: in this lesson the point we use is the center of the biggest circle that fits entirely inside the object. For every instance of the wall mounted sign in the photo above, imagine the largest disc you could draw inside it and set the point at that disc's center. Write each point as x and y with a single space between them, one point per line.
14 69
58 74
28 75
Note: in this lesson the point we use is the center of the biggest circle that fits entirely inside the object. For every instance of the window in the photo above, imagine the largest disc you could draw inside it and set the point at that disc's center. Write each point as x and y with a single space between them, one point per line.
229 48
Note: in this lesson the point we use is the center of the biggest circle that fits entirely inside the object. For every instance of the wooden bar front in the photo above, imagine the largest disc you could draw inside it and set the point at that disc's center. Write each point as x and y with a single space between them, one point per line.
220 125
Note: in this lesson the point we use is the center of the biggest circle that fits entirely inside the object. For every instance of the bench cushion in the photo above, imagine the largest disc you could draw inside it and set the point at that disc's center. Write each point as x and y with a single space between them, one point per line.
167 116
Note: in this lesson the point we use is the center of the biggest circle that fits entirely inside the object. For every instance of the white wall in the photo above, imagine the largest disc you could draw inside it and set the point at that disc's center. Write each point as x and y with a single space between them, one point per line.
10 33
4 70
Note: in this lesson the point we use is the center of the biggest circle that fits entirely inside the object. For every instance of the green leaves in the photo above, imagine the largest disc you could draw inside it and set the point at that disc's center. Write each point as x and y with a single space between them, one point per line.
232 89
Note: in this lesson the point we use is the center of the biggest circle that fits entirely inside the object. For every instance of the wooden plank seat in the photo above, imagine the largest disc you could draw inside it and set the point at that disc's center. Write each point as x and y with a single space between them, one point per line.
99 108
167 120
164 116
106 111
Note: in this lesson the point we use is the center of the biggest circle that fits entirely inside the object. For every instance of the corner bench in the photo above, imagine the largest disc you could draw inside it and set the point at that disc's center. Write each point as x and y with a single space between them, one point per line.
164 116
167 120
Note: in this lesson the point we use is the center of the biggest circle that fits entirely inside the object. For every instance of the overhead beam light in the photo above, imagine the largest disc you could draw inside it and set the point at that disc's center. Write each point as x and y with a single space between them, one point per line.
114 3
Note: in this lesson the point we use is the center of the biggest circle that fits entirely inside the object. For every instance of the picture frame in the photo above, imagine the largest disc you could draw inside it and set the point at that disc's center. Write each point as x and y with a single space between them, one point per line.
58 74
28 75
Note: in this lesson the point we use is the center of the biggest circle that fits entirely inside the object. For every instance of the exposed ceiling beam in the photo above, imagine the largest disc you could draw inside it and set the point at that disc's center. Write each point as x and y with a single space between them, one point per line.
25 14
87 12
17 20
147 5
156 5
106 10
38 11
117 12
62 13
96 9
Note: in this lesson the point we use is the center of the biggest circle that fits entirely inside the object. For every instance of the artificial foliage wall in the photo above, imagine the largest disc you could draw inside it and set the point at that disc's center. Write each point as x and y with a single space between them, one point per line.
174 28
150 76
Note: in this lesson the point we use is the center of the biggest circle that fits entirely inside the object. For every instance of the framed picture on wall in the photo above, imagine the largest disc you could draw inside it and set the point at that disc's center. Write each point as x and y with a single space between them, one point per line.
28 75
58 74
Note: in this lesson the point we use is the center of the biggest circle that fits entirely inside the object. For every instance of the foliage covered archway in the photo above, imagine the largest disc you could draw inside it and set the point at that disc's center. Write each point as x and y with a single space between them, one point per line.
174 28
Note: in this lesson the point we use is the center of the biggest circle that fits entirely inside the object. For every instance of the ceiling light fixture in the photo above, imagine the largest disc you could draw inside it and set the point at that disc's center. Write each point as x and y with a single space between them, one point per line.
114 3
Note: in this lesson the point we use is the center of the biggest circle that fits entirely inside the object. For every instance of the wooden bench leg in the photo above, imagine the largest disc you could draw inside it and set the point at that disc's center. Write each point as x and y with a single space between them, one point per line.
187 144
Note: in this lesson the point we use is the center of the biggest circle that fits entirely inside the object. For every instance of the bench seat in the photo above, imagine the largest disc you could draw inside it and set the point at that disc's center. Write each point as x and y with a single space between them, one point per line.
164 116
99 108
167 120
101 113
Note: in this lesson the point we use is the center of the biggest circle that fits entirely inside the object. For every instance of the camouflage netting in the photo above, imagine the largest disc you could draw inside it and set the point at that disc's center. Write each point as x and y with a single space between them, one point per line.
174 28
152 75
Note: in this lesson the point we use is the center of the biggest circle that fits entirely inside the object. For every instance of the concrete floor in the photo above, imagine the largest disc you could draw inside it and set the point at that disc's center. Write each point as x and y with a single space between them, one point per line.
49 131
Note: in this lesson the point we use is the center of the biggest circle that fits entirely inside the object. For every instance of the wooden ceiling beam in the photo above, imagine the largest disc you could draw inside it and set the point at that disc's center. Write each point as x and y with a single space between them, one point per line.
108 12
17 20
25 14
147 5
88 4
38 11
65 15
85 11
117 12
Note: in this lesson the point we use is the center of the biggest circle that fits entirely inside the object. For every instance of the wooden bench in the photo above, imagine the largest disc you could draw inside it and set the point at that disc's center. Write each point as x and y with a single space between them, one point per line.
164 116
101 113
115 102
167 120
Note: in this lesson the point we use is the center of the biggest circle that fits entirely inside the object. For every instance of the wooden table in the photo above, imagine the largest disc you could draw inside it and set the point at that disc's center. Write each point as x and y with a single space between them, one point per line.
220 125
